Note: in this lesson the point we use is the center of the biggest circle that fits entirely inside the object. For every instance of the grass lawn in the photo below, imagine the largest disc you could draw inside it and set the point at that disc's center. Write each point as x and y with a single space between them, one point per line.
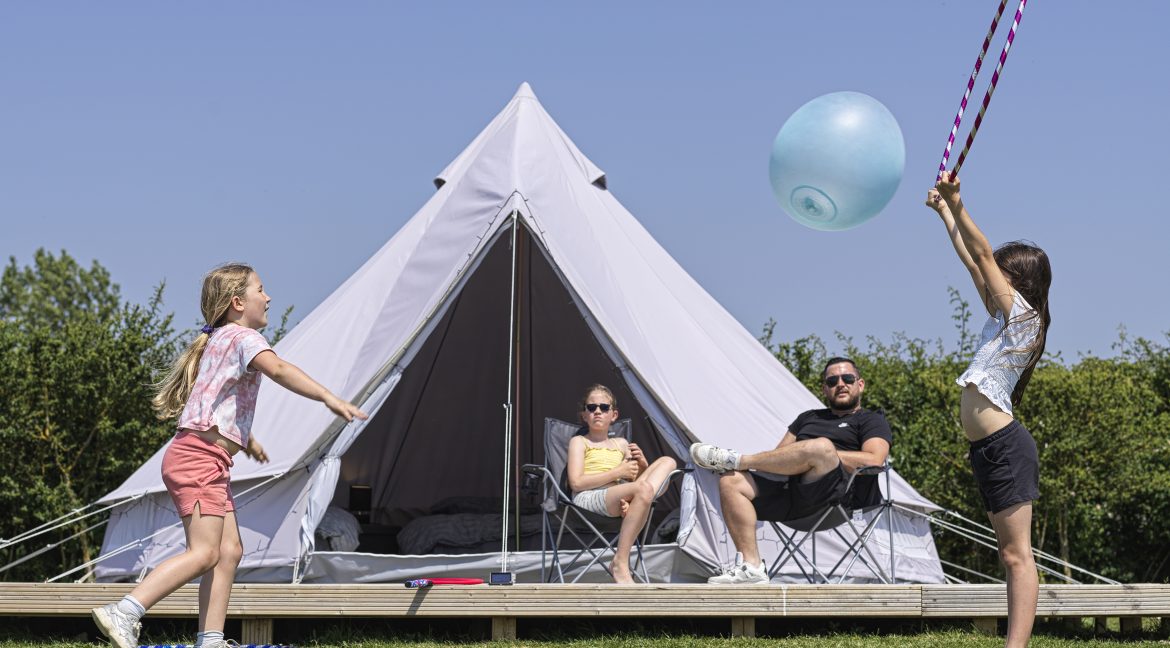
924 640
604 633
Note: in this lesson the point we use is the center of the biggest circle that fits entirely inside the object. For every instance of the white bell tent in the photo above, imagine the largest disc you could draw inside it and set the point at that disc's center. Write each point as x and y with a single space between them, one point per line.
521 282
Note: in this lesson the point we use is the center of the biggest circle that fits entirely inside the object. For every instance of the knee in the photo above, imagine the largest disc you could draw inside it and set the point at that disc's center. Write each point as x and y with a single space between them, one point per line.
731 484
230 553
668 462
645 491
824 453
207 557
823 447
1016 557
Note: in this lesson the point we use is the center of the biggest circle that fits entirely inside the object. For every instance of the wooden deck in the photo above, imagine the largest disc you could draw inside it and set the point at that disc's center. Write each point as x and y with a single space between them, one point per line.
258 605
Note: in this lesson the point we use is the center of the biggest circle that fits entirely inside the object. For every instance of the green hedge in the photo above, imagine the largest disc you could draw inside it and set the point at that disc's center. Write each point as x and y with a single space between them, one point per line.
1102 426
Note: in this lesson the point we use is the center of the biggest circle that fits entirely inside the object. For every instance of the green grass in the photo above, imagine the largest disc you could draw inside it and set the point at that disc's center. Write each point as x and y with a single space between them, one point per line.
607 633
952 638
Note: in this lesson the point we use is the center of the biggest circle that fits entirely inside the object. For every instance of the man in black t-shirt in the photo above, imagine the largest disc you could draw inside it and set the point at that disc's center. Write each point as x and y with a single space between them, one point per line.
817 454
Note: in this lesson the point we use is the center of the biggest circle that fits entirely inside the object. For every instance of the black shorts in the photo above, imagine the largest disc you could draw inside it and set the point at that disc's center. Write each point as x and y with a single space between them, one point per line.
792 499
1007 467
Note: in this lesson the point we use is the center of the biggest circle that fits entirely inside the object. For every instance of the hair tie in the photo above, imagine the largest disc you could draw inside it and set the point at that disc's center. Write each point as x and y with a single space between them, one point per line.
207 328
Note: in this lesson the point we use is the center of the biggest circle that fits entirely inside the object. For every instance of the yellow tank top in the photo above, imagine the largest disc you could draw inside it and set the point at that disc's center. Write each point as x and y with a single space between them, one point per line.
599 460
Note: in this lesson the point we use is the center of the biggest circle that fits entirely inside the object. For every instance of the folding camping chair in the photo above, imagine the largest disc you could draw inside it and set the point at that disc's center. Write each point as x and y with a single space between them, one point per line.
595 535
835 516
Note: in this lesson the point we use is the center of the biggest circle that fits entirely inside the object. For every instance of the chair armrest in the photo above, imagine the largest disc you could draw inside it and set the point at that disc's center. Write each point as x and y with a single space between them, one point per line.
533 469
871 470
669 478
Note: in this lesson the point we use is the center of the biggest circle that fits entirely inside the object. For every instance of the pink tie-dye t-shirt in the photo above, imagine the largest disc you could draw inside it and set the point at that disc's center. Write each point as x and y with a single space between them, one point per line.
224 395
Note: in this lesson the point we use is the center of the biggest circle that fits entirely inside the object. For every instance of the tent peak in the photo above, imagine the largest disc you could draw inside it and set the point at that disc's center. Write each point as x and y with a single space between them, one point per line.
529 132
524 91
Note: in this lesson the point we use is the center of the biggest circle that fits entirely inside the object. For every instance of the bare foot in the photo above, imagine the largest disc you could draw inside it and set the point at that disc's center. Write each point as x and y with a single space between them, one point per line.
622 576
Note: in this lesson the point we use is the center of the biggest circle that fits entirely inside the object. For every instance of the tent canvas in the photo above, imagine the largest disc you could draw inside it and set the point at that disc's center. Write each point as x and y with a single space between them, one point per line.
522 264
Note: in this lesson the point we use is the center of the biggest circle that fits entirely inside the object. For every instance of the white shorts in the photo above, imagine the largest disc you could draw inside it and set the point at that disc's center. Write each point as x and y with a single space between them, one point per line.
592 501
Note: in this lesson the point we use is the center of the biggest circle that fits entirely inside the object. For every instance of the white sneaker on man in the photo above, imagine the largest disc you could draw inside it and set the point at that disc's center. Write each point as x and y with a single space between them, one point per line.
714 458
742 574
121 628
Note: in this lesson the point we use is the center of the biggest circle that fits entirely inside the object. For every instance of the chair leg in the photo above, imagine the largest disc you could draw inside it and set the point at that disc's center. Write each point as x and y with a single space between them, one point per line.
854 548
791 551
588 547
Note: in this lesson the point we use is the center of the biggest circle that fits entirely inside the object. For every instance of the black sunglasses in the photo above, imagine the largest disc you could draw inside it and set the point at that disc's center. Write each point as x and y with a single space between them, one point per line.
593 407
831 381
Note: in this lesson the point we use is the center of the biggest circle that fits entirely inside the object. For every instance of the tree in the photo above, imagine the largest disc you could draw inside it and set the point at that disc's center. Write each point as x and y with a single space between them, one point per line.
75 386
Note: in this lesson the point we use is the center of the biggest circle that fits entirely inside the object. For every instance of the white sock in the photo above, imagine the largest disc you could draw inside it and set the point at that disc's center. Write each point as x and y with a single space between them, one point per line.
208 637
131 607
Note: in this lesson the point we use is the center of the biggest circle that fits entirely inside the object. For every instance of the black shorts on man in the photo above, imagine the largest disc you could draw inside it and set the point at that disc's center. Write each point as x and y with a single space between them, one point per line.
1007 467
793 499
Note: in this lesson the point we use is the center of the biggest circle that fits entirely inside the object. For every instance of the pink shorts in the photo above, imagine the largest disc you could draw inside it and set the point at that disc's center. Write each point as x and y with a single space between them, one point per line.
197 471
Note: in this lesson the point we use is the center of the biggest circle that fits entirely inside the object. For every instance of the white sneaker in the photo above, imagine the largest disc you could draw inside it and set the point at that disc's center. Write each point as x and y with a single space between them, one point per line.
121 628
714 458
221 643
742 574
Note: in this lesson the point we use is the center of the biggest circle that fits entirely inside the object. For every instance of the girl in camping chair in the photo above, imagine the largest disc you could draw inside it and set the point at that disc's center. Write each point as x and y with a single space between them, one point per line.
610 476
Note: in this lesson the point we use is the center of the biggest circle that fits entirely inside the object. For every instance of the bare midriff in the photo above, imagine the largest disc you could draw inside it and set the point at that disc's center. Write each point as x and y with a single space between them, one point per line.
979 416
213 436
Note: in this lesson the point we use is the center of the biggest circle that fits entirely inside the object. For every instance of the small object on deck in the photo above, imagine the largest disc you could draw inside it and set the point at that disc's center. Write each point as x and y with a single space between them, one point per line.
427 582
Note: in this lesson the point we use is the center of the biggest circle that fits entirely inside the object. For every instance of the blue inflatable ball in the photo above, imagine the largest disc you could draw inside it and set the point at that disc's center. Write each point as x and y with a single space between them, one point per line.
837 161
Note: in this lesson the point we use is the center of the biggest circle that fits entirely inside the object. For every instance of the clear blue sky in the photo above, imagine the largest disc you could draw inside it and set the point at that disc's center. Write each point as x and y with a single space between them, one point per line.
161 139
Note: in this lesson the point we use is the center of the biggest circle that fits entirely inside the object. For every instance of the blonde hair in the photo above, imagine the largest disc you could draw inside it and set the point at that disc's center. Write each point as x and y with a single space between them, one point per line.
598 388
219 287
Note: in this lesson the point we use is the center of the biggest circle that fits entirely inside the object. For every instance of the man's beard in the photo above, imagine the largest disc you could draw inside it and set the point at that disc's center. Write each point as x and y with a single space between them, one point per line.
848 405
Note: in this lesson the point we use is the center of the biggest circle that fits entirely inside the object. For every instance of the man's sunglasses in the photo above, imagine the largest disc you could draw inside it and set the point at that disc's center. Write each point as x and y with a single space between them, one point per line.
831 381
593 407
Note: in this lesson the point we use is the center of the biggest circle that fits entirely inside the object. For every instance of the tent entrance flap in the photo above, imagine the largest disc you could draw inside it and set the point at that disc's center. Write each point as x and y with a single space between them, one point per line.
431 454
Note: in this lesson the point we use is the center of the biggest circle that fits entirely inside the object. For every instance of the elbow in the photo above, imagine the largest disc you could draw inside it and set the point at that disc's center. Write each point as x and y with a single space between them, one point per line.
982 254
279 371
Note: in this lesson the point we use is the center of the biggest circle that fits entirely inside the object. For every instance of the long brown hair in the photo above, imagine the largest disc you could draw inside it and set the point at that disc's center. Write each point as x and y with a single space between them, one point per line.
219 287
1027 268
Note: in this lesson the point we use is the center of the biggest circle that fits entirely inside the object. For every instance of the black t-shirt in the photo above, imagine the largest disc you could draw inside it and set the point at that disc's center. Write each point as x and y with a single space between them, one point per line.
847 433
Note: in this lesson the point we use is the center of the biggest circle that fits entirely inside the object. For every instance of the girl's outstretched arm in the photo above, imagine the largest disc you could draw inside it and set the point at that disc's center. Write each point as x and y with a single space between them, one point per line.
292 378
995 290
935 201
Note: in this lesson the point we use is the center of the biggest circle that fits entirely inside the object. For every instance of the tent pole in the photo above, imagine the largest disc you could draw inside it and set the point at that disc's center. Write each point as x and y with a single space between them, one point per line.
508 403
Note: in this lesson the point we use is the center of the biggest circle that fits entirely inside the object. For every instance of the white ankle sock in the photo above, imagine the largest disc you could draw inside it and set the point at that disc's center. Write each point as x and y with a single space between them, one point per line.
131 607
207 637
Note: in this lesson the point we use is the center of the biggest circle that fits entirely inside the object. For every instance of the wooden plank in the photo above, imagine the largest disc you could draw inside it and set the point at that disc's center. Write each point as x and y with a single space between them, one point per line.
971 601
277 601
1131 626
503 628
256 631
283 601
743 627
986 625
